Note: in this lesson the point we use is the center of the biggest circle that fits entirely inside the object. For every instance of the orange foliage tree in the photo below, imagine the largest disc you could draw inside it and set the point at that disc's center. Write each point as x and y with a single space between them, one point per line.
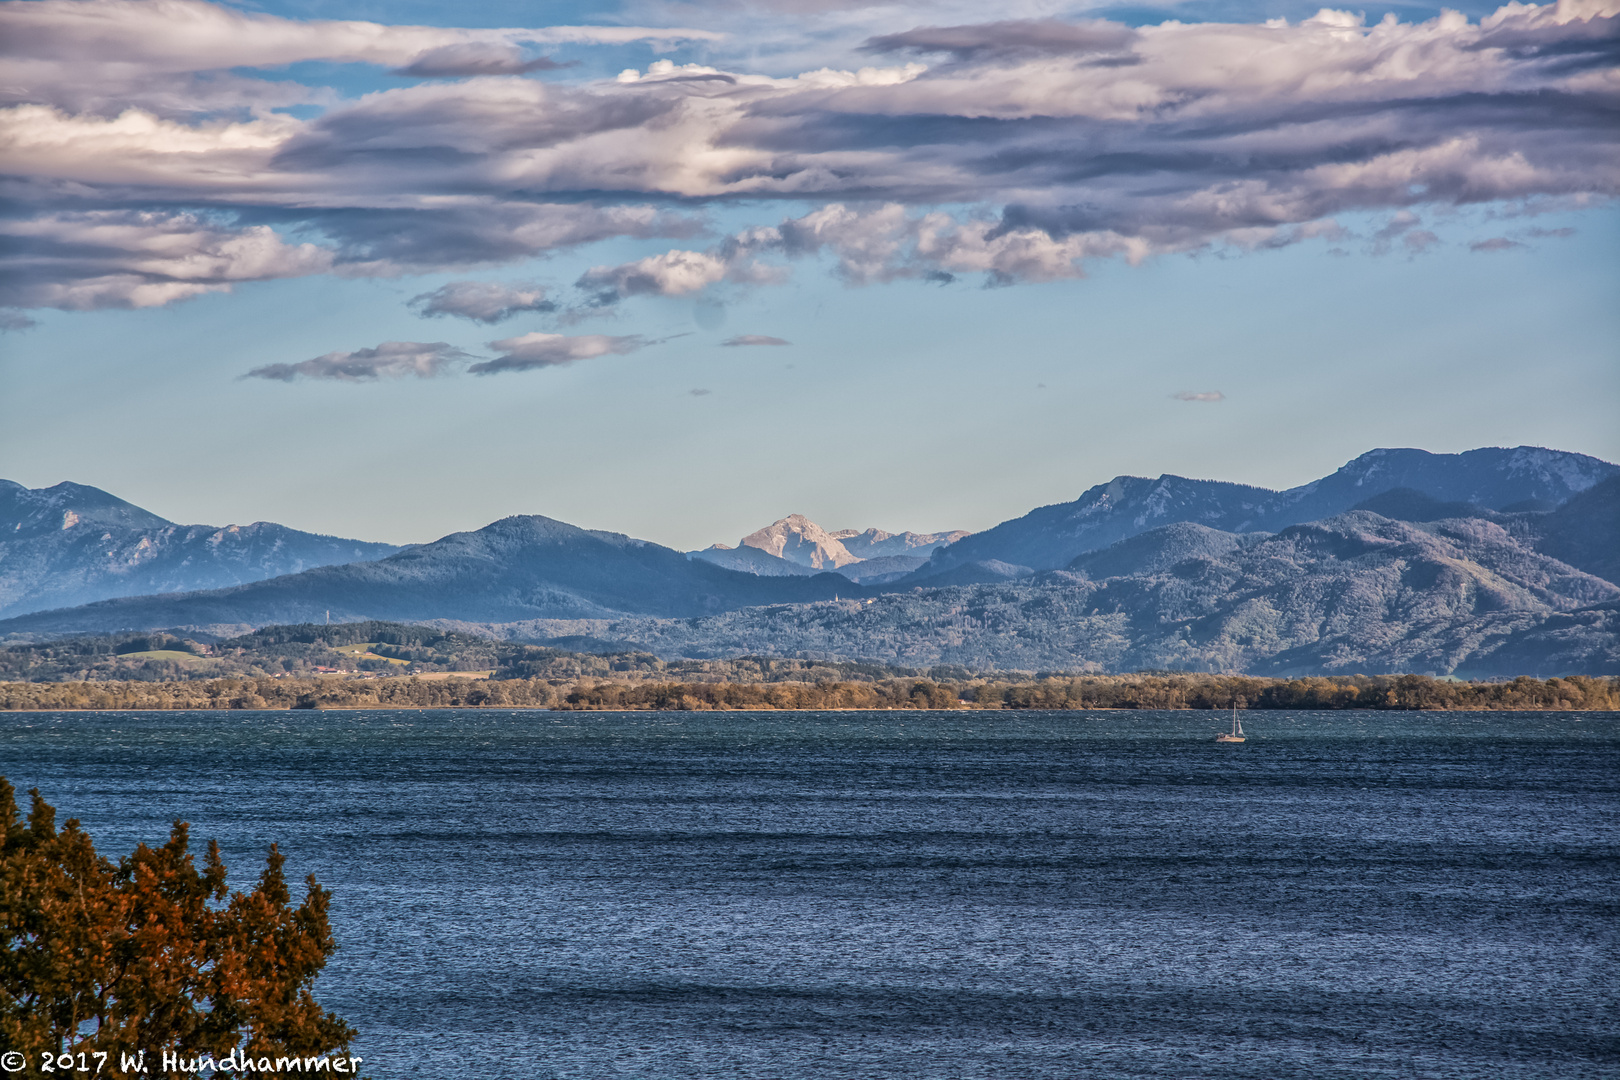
152 953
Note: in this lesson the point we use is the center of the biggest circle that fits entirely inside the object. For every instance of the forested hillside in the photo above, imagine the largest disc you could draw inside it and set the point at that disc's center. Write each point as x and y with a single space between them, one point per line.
1356 593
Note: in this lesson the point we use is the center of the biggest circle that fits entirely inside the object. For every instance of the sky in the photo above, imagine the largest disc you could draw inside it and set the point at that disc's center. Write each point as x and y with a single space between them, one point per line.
389 270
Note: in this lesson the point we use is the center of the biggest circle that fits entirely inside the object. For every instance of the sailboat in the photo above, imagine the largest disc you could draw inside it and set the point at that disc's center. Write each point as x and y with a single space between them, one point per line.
1236 734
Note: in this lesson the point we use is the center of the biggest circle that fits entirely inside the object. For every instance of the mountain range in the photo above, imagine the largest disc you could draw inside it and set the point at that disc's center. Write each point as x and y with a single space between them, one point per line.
1524 479
72 544
1495 561
1357 593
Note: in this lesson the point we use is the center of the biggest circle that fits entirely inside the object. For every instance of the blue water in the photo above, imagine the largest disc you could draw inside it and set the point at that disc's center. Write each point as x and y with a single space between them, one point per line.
898 895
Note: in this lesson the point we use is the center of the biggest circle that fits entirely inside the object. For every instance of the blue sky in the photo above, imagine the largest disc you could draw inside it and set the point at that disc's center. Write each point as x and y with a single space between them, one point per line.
996 261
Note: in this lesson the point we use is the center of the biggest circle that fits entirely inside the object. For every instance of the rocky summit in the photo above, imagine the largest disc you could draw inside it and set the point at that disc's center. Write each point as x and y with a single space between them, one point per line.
797 546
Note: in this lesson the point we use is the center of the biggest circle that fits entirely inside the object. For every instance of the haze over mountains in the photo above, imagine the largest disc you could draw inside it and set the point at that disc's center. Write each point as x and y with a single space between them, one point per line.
1495 561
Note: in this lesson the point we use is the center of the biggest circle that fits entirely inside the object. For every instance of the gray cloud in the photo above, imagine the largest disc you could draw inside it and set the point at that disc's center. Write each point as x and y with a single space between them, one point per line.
699 392
482 301
1013 37
1403 226
475 58
1495 243
1242 137
193 35
1199 395
754 339
530 351
365 241
391 360
1419 241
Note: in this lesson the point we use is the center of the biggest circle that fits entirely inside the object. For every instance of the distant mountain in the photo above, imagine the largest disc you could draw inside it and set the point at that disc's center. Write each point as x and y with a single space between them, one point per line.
72 544
882 569
1051 537
1406 504
1496 478
797 546
1584 532
797 539
751 560
1354 593
517 568
877 544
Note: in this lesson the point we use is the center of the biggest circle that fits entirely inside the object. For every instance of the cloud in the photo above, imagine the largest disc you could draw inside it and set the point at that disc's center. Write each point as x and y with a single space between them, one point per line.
475 58
1403 226
482 301
391 360
385 242
699 392
870 244
1495 243
1011 38
674 273
754 339
679 273
11 321
191 35
537 350
1070 141
1199 395
136 259
1419 241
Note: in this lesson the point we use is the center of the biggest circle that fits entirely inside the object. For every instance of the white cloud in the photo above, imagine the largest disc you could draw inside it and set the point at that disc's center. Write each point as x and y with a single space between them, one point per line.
529 351
482 301
674 273
139 259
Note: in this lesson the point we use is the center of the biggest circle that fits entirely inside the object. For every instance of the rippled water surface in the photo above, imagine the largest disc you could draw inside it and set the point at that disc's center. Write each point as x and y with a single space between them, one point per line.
898 895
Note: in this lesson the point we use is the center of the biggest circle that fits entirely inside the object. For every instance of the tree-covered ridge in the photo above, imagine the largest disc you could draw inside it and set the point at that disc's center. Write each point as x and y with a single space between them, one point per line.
1044 691
389 649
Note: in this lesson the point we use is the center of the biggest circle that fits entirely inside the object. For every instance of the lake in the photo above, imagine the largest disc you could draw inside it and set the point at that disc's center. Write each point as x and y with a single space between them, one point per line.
911 895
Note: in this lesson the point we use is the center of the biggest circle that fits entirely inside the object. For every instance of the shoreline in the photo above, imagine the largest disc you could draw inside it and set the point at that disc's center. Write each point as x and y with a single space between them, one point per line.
1089 693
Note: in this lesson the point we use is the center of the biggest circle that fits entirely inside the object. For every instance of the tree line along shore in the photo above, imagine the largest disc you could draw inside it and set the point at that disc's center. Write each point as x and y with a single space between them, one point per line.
1140 691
